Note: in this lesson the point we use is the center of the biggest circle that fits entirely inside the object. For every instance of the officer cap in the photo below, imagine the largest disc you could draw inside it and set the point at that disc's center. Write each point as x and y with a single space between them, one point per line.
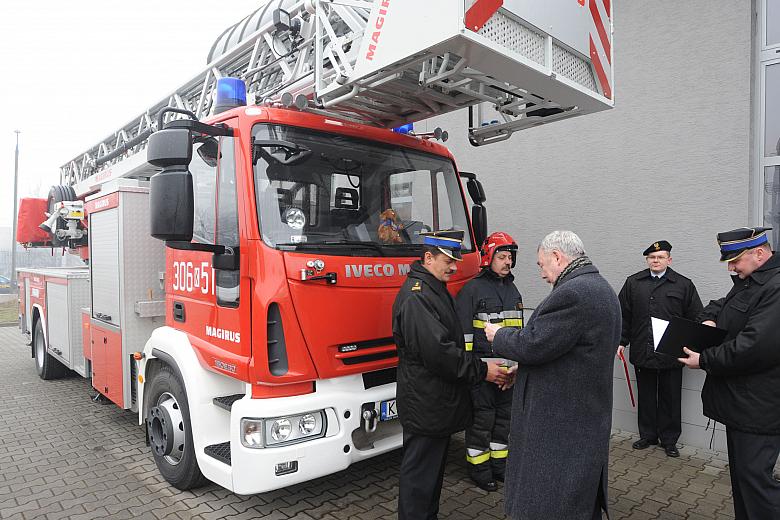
661 245
735 242
448 242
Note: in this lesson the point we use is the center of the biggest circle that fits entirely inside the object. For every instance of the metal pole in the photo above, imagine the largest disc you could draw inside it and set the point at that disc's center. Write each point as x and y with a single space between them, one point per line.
13 233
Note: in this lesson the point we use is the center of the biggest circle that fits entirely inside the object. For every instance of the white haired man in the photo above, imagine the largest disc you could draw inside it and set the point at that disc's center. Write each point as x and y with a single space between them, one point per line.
562 405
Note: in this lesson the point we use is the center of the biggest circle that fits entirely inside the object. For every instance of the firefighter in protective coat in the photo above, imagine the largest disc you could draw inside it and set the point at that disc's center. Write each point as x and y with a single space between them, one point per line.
490 297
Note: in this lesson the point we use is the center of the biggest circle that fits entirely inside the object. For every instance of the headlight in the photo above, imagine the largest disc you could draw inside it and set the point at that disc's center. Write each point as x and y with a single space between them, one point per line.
281 429
307 424
252 433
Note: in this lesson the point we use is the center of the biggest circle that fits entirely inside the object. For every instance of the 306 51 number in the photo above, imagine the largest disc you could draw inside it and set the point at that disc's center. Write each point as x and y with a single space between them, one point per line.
188 277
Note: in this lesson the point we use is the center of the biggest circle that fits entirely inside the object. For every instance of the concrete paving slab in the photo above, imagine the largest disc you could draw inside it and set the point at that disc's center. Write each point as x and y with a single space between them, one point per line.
64 456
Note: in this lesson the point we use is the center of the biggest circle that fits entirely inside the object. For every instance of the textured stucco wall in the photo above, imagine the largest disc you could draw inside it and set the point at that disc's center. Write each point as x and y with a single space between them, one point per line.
670 161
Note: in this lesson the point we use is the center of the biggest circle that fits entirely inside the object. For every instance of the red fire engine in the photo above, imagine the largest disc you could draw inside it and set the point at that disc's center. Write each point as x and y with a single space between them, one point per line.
240 260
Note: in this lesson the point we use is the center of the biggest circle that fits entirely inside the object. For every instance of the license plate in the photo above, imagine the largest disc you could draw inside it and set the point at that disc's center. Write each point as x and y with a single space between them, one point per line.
388 410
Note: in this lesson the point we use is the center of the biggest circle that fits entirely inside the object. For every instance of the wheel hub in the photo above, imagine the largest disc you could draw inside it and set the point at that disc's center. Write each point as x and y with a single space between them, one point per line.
165 425
40 350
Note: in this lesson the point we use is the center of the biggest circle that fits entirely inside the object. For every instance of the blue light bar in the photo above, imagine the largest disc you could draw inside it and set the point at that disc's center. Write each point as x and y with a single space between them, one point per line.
404 129
231 93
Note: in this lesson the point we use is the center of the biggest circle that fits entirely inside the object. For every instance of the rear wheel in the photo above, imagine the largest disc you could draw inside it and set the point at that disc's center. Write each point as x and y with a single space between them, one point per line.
47 366
170 433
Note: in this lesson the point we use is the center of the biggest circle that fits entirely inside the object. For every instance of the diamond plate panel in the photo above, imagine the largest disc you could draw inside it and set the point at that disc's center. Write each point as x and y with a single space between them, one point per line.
142 259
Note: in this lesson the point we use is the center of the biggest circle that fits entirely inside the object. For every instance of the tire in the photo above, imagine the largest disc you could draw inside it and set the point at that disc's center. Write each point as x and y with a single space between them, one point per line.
170 432
47 367
58 194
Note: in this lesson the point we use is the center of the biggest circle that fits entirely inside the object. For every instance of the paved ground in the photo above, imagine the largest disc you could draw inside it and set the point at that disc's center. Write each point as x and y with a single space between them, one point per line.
64 456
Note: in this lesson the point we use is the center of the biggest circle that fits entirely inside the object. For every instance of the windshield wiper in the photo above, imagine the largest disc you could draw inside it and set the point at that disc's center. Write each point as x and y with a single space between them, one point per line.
384 249
358 243
336 244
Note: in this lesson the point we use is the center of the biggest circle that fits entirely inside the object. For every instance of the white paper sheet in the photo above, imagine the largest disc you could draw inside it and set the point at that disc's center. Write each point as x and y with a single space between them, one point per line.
659 327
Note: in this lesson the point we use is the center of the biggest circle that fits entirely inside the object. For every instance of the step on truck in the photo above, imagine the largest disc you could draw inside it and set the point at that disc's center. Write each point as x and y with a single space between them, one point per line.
244 238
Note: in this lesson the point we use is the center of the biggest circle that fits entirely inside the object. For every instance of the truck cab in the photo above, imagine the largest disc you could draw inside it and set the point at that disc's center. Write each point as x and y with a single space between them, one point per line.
281 285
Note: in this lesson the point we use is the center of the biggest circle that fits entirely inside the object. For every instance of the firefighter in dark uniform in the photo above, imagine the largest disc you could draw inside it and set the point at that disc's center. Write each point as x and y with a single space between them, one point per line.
435 373
658 292
742 388
490 297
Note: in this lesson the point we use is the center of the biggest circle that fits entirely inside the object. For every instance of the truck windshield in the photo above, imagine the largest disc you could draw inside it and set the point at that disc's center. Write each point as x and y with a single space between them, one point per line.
338 195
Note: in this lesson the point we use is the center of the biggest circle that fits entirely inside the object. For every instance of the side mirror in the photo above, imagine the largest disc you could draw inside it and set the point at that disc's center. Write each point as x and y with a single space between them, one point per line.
479 222
209 152
172 201
172 205
476 191
170 147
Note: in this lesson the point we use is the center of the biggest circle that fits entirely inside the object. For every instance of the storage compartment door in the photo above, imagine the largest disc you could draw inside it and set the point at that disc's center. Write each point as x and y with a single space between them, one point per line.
104 264
58 323
107 361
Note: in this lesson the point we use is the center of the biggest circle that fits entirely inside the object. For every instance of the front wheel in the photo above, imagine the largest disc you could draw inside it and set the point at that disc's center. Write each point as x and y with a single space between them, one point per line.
45 364
170 432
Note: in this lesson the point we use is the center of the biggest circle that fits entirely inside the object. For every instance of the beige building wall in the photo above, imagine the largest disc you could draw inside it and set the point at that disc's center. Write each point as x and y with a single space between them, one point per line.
671 161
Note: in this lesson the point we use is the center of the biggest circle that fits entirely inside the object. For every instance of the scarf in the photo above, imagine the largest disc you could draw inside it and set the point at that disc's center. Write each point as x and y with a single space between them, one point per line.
575 264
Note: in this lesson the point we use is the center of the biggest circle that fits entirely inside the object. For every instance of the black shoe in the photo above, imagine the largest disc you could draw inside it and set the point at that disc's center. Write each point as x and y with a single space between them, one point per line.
671 451
489 485
643 443
482 475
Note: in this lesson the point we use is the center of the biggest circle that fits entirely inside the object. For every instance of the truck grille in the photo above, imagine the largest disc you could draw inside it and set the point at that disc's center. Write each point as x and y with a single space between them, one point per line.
365 351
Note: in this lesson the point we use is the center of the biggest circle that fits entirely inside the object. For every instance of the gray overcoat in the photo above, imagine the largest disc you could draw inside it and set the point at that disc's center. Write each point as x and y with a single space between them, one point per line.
562 411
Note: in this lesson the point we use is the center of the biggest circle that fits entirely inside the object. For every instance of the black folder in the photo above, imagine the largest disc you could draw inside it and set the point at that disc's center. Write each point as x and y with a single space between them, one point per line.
686 333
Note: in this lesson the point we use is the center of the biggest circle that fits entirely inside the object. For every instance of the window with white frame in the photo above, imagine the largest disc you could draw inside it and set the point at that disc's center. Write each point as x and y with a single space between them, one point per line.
768 163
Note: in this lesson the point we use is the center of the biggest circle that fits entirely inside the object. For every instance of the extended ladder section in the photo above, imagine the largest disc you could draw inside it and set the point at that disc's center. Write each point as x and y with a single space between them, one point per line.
515 63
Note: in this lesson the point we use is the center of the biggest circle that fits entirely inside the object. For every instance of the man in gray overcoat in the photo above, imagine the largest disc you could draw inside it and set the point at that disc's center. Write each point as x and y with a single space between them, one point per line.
562 405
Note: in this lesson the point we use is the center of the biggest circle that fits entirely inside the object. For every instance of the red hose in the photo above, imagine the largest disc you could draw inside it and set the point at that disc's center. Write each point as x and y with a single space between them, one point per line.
628 380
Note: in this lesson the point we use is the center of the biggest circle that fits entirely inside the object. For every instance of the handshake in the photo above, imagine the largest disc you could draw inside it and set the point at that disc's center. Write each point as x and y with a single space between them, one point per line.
501 373
490 331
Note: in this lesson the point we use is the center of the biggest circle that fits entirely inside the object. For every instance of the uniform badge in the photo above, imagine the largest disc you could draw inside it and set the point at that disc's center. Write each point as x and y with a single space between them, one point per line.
657 246
416 286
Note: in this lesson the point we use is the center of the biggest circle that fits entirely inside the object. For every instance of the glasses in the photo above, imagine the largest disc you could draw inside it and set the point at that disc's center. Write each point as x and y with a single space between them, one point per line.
653 258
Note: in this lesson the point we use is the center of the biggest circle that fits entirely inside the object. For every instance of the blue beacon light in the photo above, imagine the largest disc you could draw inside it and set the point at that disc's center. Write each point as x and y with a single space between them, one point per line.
404 129
231 93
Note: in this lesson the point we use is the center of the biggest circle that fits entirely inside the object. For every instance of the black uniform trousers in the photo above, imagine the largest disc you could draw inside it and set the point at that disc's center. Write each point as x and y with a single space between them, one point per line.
659 415
752 458
421 476
492 415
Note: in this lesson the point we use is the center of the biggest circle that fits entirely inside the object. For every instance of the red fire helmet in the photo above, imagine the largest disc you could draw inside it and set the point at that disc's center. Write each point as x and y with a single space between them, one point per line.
498 241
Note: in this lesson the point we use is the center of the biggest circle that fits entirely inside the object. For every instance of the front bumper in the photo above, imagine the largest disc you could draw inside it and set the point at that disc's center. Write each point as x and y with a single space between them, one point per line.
346 440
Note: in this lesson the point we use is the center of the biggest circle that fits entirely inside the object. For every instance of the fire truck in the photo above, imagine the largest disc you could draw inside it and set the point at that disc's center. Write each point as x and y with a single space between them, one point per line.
240 262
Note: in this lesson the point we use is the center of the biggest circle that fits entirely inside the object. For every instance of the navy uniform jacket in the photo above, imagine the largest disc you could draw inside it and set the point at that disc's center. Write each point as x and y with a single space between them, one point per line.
435 372
640 298
742 389
488 294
